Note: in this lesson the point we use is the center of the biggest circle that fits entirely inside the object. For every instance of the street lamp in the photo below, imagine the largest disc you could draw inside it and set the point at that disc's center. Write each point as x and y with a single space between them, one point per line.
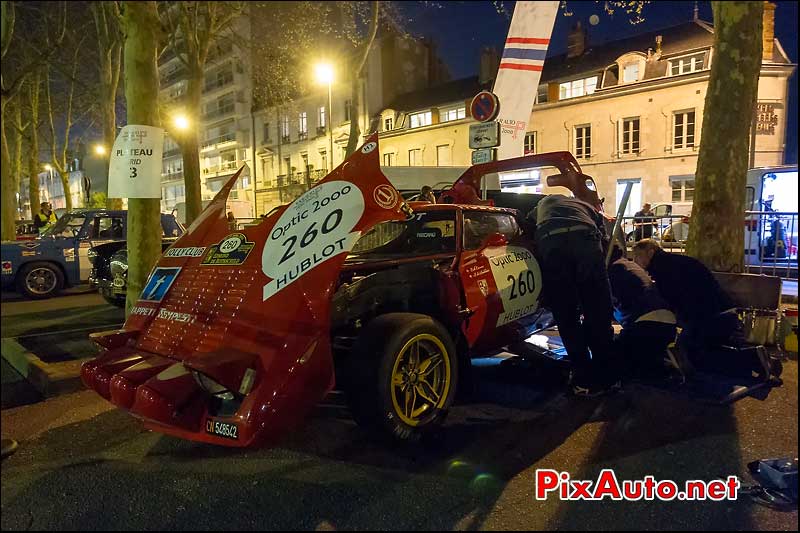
99 149
324 74
181 122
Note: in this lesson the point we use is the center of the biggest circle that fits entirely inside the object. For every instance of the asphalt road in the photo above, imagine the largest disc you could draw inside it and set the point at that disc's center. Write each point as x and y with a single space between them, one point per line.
84 465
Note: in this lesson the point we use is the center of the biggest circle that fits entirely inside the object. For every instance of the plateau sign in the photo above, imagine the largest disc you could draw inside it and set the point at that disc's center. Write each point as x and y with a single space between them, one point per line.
484 135
135 165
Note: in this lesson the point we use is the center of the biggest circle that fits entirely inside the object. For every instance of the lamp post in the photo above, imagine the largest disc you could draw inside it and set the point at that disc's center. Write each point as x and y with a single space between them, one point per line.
324 73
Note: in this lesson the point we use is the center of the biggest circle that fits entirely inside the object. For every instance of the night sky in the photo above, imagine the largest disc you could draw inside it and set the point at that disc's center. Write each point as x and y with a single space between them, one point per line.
461 28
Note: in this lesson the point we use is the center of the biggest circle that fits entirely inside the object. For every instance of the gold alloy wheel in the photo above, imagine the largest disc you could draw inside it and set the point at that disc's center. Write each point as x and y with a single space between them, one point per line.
421 378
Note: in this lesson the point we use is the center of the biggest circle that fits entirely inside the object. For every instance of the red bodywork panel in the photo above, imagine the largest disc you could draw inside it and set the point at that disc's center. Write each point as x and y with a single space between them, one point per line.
254 302
230 341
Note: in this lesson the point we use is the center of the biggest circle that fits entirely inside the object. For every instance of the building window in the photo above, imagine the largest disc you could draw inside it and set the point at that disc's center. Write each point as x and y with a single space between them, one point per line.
682 188
389 159
575 88
415 157
347 105
302 125
452 114
323 159
530 143
284 129
421 119
388 124
683 130
266 132
443 157
541 95
630 136
687 64
583 141
630 73
321 117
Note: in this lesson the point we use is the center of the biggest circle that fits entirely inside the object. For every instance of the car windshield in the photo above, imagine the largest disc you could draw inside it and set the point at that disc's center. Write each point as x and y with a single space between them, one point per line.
425 234
65 225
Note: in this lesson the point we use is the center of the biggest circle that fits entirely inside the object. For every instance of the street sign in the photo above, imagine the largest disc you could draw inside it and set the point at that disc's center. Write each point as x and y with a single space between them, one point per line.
135 163
484 106
484 135
484 155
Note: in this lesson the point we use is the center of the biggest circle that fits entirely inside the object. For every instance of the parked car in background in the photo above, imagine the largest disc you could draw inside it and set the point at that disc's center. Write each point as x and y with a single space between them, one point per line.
41 267
110 269
25 230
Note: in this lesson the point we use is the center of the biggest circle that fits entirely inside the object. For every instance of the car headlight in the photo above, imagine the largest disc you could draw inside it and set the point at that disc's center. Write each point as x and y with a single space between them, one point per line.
91 254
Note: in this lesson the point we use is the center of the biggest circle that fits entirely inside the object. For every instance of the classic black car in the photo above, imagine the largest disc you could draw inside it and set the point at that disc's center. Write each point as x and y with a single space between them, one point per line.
110 269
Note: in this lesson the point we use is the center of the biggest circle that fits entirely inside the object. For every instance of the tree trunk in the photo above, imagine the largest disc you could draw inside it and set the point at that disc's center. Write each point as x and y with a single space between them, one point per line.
142 32
716 234
63 174
16 158
190 147
108 101
355 128
33 154
7 231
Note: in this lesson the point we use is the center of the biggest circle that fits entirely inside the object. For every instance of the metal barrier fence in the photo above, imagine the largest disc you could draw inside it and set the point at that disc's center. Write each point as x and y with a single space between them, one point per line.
770 239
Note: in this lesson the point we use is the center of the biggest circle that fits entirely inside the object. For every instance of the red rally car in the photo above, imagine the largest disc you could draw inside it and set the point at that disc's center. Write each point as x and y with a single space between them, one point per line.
238 335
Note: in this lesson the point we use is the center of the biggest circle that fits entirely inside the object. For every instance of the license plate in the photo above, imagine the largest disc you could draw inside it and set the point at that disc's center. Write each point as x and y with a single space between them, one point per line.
119 282
222 429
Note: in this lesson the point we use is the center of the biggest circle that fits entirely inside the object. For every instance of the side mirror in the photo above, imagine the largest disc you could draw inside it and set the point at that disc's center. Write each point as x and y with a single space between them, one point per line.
494 240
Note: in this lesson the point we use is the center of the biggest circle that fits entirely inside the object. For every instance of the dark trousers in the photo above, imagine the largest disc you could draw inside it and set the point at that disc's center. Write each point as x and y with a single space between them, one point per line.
700 338
643 346
576 281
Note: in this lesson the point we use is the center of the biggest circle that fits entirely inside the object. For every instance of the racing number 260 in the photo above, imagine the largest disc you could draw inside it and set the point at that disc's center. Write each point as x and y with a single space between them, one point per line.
522 285
330 223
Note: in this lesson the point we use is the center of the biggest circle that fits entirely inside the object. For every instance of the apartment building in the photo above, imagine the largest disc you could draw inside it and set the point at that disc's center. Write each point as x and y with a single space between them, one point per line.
630 110
224 123
293 140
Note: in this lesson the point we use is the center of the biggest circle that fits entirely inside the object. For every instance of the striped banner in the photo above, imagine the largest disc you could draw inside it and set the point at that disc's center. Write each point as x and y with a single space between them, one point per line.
520 70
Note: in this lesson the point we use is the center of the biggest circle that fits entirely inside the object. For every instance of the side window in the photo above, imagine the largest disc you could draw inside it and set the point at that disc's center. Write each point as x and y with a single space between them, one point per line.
108 228
479 225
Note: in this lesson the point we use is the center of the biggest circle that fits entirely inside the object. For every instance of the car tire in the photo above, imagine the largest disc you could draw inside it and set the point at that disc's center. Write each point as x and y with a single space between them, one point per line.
391 389
39 280
113 299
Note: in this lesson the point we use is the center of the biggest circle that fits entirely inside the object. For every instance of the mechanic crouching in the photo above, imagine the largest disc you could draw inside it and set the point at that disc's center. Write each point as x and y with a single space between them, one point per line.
570 240
648 326
707 316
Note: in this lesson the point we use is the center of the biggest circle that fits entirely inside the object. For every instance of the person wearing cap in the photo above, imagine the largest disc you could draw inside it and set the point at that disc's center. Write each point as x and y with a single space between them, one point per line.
570 240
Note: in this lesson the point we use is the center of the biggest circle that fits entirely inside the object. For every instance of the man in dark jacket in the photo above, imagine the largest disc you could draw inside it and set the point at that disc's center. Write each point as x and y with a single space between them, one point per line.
570 238
644 221
648 326
705 313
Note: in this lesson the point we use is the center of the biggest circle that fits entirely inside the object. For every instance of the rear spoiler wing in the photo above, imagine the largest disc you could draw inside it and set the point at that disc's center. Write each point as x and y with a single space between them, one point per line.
466 190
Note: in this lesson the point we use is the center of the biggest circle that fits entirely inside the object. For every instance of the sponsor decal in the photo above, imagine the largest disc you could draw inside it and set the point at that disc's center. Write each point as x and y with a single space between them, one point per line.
194 251
222 429
144 311
175 316
476 271
369 147
483 285
7 267
385 196
69 254
30 245
159 283
519 281
27 253
316 227
232 250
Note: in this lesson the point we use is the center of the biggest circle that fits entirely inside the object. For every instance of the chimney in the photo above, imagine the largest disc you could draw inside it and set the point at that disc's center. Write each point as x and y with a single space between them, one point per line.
576 41
659 40
490 61
768 33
